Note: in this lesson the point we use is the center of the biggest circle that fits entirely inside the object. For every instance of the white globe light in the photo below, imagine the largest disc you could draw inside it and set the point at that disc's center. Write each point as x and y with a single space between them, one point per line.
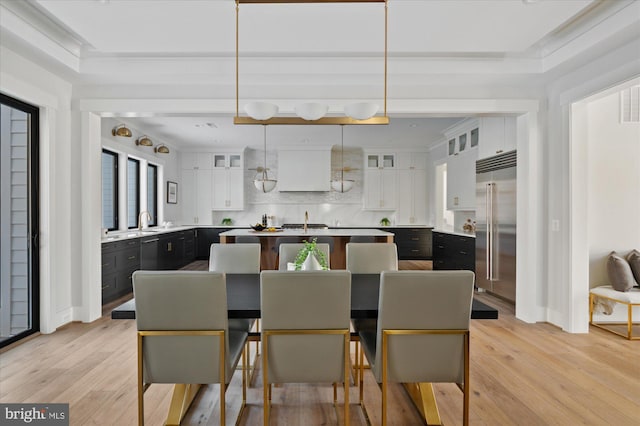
311 110
261 110
361 110
265 185
342 185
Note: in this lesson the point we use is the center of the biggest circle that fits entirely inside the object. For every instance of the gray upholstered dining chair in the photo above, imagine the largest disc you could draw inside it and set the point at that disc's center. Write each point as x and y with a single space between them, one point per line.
289 251
305 330
183 337
422 335
235 258
371 258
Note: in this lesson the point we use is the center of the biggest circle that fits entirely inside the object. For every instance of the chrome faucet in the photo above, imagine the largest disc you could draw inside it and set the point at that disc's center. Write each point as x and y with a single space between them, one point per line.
306 220
140 218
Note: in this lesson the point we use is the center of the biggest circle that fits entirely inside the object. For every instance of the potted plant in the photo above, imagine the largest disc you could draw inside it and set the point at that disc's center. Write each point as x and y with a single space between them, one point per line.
227 221
385 221
308 254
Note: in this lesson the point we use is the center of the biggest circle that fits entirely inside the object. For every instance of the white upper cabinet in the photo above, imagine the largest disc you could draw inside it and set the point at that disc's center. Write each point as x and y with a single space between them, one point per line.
228 181
411 160
196 194
412 197
497 135
380 181
461 181
197 161
463 137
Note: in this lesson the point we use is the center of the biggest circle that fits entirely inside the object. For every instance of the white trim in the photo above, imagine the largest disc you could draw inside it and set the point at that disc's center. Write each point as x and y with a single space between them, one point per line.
91 156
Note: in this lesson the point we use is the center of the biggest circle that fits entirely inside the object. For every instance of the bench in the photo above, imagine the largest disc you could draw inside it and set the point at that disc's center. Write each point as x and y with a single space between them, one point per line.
629 298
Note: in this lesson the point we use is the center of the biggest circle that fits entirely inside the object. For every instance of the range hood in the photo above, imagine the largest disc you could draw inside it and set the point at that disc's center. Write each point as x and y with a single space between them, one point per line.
304 169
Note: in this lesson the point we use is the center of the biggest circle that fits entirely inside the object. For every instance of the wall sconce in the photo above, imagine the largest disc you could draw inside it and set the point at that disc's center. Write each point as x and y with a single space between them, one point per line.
144 141
121 130
161 149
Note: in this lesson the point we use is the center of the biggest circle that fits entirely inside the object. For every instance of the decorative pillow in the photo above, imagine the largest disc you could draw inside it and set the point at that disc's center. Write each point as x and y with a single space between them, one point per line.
634 261
619 273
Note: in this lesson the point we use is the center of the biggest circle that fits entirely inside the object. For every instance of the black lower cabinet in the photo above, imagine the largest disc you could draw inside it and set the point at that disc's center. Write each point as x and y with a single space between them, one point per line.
119 260
413 243
453 252
204 238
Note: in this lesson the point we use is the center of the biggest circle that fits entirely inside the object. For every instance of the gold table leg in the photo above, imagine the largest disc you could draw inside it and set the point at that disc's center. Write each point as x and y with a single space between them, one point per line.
183 396
425 400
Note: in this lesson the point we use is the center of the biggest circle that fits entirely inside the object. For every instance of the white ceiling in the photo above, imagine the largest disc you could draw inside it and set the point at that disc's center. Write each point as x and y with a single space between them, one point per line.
208 27
120 41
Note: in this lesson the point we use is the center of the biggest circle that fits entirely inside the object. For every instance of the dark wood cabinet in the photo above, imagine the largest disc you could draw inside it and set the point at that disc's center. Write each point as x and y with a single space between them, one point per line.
413 243
452 251
204 238
119 260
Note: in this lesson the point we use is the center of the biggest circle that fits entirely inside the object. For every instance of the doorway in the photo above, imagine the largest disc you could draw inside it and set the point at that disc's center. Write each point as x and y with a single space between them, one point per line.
19 219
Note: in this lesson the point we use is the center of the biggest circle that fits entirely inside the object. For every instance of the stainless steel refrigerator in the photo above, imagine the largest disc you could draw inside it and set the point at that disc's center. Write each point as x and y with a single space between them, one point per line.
496 225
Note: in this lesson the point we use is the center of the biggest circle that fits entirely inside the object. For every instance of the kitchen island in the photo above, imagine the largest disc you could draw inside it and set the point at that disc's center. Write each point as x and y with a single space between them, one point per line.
337 239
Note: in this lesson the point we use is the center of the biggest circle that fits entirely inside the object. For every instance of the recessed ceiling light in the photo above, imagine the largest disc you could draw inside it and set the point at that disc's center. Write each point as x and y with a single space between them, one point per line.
210 125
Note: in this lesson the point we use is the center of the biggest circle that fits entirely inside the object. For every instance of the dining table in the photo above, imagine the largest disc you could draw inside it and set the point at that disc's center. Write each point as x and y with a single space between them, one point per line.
243 301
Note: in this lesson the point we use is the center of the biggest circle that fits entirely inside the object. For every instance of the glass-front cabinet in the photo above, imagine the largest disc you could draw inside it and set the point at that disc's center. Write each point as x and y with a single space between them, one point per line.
228 181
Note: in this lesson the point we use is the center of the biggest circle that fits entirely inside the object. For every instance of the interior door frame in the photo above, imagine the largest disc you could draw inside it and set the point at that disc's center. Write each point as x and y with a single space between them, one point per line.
33 167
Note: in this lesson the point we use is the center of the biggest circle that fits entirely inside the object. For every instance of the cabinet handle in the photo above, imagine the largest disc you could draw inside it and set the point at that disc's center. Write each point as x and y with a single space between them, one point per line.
169 247
106 264
105 286
131 243
499 151
181 238
131 257
463 252
415 250
415 239
151 241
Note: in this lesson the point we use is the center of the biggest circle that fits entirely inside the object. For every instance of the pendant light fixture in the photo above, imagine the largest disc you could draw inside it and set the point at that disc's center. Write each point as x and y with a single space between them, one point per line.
262 181
342 185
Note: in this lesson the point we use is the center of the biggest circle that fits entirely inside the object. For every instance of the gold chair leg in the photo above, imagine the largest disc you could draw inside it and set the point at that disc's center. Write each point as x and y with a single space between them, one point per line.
347 362
140 384
361 375
266 388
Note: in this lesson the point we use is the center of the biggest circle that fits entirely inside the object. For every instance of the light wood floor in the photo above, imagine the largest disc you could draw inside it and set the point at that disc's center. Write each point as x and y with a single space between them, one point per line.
524 374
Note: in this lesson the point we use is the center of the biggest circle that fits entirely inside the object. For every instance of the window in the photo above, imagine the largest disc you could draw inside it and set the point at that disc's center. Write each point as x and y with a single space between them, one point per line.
19 220
109 190
133 192
152 193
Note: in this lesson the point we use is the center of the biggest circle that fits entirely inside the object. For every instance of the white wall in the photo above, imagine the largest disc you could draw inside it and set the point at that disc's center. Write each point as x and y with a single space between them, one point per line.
566 194
614 190
614 185
169 170
27 81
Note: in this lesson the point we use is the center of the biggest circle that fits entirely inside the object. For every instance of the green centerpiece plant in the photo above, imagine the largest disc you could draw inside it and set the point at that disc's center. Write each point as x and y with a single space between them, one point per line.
385 221
310 249
227 221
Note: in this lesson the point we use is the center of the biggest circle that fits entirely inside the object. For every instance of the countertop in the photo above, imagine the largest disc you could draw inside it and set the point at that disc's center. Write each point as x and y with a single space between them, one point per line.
147 232
336 232
452 232
332 231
